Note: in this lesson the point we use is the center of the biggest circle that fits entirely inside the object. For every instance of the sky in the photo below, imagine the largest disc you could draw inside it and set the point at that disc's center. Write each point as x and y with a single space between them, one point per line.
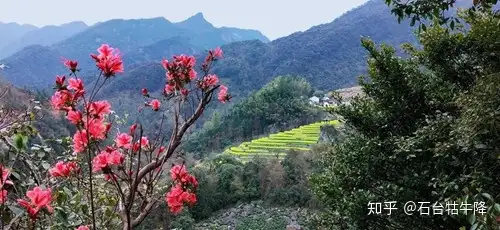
274 18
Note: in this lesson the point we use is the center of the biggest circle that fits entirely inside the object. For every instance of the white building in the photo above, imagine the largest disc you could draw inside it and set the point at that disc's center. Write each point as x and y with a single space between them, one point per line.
314 100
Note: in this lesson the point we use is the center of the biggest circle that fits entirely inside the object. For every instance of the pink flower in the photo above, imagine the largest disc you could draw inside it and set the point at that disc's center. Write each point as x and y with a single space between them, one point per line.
70 64
100 108
145 92
123 140
5 176
209 81
176 198
83 227
106 159
38 199
62 169
61 100
97 128
164 63
190 179
74 117
184 91
217 52
179 72
75 84
144 144
192 74
223 95
169 88
212 56
108 60
185 61
132 129
3 196
177 172
155 104
100 162
60 81
180 174
80 141
115 158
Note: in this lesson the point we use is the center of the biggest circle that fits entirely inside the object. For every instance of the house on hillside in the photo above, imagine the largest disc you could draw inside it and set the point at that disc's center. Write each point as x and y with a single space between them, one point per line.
314 100
326 102
323 101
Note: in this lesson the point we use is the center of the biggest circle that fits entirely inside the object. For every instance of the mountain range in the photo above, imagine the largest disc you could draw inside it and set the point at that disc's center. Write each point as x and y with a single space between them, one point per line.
10 32
329 56
47 35
35 66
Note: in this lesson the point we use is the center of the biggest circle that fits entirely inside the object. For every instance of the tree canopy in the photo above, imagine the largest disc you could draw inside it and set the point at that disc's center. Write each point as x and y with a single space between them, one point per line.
426 131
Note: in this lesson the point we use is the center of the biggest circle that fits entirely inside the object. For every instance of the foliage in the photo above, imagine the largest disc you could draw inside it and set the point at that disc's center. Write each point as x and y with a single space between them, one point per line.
277 144
259 216
278 106
425 132
224 181
420 10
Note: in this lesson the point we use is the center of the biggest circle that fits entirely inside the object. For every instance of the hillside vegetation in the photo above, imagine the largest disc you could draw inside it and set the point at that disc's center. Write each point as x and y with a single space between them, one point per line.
280 105
426 130
277 145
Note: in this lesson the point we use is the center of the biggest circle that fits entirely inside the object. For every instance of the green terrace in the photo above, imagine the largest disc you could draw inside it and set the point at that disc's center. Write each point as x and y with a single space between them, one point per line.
277 144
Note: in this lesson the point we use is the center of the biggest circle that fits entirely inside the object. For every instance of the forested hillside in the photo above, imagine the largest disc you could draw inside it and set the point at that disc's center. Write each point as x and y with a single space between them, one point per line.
280 105
425 131
328 56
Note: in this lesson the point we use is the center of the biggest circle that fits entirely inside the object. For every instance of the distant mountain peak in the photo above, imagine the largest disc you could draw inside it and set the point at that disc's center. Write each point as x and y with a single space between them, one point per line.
196 22
198 15
75 23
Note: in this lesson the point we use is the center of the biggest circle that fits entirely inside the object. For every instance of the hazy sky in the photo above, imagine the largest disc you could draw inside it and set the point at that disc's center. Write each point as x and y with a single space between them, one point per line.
274 18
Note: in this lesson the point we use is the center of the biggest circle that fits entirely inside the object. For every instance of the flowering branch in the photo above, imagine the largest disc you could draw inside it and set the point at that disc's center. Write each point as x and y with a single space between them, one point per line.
129 164
131 169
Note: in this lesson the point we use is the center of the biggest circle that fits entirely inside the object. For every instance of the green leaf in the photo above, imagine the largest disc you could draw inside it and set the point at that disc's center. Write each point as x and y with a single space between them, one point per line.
85 208
474 226
413 20
487 196
497 207
471 218
20 142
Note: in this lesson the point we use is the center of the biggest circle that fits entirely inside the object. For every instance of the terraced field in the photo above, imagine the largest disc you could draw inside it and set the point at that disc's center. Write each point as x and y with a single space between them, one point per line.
276 145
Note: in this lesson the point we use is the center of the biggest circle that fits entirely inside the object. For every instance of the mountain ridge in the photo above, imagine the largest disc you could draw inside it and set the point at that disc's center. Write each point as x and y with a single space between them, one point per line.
129 35
46 36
